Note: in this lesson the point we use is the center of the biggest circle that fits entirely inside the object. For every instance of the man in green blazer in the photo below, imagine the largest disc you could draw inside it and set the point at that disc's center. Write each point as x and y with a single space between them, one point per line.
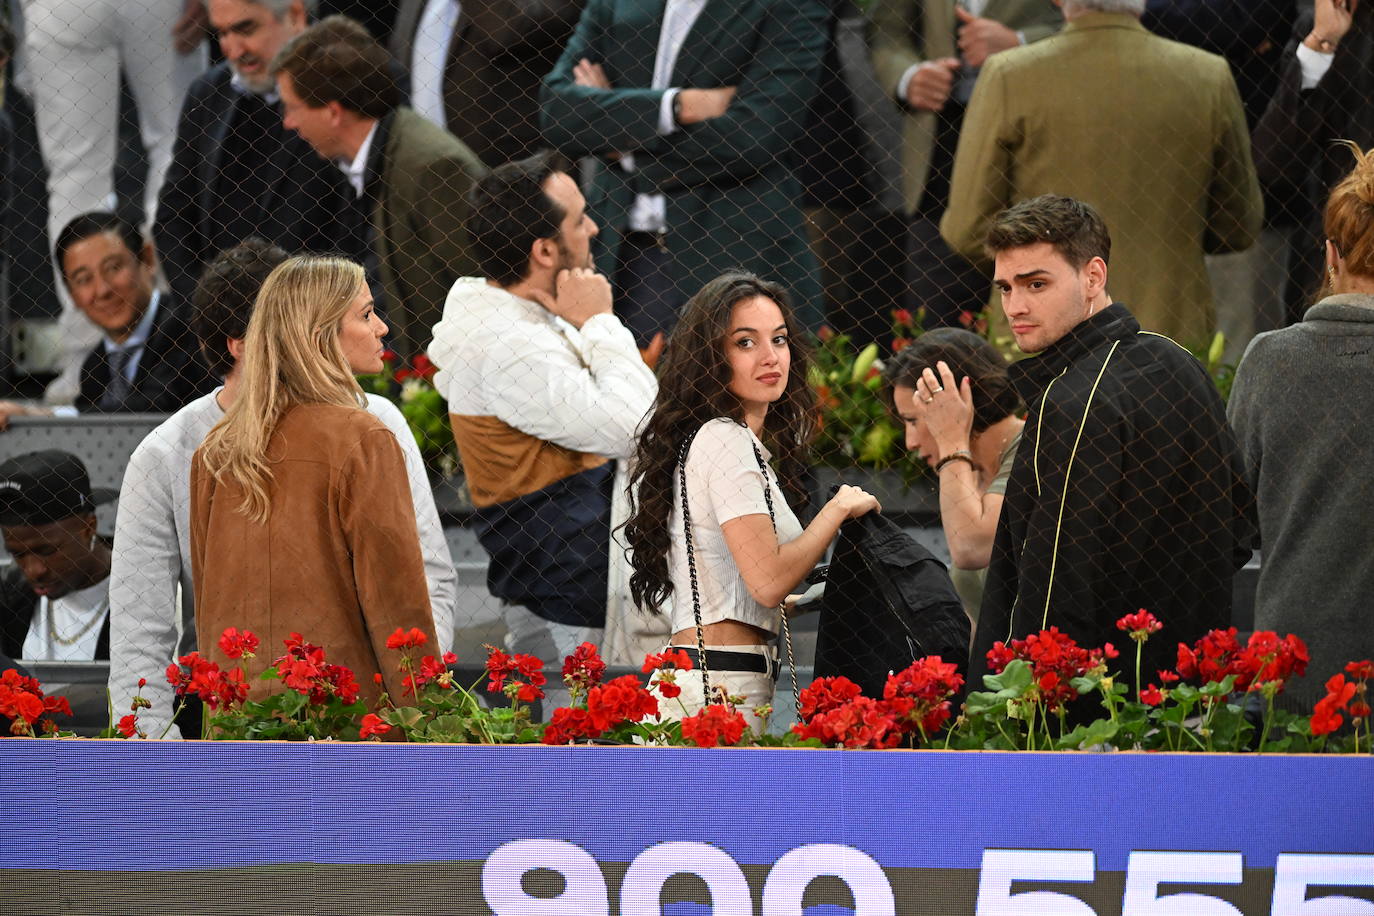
692 108
410 177
927 55
1150 132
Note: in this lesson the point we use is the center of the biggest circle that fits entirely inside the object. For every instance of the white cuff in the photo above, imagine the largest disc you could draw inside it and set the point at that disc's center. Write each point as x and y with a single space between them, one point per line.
65 410
1314 65
1020 37
666 122
905 82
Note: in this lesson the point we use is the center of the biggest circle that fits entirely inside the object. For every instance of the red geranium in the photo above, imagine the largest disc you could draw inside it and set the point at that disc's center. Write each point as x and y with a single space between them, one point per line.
621 700
1269 660
237 645
402 639
372 726
304 669
1152 695
584 668
1055 660
862 722
928 683
676 658
526 674
570 724
1326 717
1361 670
128 726
1141 625
825 694
716 725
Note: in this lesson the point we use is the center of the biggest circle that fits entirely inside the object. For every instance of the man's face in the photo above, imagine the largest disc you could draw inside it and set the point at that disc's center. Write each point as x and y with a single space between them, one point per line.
1043 296
577 230
316 126
109 283
250 35
54 558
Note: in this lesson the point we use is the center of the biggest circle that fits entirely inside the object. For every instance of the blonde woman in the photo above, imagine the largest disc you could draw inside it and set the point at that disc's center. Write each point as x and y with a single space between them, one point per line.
301 517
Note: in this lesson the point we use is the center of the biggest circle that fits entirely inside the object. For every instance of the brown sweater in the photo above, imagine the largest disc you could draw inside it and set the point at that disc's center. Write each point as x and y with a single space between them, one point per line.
338 559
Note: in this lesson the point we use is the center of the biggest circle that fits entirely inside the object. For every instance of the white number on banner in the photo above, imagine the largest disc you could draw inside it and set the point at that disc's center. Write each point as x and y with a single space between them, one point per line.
1294 873
585 891
652 868
1146 871
794 872
1003 866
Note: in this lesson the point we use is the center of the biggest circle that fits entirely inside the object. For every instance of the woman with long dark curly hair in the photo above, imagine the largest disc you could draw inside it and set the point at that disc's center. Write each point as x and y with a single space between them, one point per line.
733 394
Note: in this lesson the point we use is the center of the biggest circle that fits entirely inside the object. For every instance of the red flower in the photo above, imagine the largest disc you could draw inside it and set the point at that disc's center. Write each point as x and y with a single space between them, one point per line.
861 722
677 658
825 694
1141 625
569 725
900 343
388 356
128 726
1326 717
1151 696
236 645
423 367
584 668
57 704
621 700
999 656
1051 652
1361 670
406 640
715 725
669 689
1167 676
1359 710
450 658
902 316
501 666
372 726
966 318
826 333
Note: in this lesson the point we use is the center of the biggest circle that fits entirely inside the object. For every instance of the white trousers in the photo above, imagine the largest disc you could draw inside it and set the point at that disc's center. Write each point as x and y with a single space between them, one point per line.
75 52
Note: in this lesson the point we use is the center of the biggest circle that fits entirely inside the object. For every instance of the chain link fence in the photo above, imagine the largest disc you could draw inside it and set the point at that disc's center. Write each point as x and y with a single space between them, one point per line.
856 154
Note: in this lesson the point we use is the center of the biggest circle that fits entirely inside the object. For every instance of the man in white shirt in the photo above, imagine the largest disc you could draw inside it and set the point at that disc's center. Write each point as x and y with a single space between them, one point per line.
545 390
150 582
409 177
54 603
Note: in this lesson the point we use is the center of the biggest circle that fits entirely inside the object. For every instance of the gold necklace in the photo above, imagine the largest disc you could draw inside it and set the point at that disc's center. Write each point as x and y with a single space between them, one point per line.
98 617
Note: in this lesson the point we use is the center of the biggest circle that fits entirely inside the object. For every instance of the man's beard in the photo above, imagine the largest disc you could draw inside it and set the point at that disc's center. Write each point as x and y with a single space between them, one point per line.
262 84
565 258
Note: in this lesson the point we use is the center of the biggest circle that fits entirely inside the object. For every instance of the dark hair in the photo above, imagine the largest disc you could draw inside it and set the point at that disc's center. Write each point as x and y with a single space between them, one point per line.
967 354
509 210
7 40
694 379
1074 229
337 60
223 299
97 222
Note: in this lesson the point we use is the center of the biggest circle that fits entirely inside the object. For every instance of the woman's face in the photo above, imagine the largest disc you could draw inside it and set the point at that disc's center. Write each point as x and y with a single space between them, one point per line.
757 351
361 333
918 437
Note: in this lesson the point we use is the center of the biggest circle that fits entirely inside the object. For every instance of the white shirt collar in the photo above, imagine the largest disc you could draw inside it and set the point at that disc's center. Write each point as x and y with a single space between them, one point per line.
271 96
141 331
356 171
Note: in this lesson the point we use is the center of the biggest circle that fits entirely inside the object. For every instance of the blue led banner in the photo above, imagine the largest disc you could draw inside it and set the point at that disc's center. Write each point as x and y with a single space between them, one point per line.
107 826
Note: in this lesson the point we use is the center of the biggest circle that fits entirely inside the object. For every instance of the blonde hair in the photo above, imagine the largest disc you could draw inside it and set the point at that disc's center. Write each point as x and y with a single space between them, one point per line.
1349 218
291 356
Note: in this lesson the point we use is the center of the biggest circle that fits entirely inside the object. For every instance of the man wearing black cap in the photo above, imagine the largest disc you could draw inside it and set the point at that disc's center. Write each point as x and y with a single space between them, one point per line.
54 603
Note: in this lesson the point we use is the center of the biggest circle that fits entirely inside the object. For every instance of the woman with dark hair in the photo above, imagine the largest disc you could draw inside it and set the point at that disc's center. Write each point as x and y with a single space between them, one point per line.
712 525
968 432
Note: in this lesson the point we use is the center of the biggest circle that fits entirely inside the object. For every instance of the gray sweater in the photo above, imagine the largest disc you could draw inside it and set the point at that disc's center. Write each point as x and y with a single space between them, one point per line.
1301 409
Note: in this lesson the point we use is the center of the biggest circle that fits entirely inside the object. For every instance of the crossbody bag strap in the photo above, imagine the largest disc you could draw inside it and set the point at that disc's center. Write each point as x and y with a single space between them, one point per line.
708 695
782 608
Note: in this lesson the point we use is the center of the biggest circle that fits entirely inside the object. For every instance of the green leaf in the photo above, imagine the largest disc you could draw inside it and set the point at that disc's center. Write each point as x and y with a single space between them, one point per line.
1085 736
406 717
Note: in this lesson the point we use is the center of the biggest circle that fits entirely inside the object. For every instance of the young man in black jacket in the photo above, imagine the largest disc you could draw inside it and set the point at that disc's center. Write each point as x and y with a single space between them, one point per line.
1127 491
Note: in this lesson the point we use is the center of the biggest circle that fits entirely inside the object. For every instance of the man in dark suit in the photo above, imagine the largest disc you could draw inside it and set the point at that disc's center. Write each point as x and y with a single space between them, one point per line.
694 108
54 603
475 67
147 360
409 178
235 171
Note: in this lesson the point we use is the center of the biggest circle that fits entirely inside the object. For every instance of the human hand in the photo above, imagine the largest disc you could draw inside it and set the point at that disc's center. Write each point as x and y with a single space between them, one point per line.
14 409
189 30
697 105
579 294
981 38
932 83
946 407
1330 24
852 502
590 75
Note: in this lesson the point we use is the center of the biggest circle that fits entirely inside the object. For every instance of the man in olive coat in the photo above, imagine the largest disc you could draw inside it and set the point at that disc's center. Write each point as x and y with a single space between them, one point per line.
1150 132
409 177
693 108
927 55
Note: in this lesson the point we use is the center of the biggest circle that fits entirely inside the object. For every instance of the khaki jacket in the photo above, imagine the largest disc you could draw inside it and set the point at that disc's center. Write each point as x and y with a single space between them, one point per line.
1148 131
907 32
